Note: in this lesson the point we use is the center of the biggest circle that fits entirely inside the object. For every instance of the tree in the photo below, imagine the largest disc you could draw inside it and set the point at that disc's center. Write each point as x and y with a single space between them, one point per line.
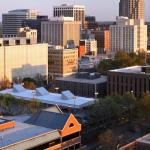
29 83
4 83
122 59
107 140
34 105
144 107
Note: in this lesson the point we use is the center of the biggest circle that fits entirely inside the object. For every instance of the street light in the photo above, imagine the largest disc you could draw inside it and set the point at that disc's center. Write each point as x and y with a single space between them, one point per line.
33 94
96 95
74 98
132 92
56 88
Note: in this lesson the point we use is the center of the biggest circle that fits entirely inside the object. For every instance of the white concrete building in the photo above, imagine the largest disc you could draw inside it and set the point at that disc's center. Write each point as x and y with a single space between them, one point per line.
22 57
129 35
75 11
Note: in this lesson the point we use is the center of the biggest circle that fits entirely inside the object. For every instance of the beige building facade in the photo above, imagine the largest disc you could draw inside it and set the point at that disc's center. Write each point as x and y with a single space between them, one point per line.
24 60
27 32
62 62
61 31
129 35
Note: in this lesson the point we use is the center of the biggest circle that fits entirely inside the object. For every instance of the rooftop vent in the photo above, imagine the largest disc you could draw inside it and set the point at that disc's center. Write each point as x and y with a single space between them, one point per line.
18 88
41 91
67 95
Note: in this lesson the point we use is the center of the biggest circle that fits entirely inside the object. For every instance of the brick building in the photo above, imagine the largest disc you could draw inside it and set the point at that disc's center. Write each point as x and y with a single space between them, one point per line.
134 79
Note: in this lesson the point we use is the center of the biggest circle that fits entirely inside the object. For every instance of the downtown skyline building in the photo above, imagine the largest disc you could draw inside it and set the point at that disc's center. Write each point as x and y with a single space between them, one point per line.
62 31
129 35
133 9
75 11
12 20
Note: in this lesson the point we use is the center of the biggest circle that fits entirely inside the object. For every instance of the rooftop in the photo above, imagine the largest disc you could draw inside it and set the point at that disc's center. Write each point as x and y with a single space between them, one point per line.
69 5
49 98
73 78
22 131
49 119
145 139
61 18
132 70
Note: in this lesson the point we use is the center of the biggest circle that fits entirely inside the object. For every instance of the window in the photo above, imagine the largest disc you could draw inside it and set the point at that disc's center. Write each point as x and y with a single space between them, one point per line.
69 137
77 146
28 41
17 42
71 125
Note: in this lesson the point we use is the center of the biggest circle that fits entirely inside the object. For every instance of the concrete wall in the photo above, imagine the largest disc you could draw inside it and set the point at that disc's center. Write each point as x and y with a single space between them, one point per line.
23 61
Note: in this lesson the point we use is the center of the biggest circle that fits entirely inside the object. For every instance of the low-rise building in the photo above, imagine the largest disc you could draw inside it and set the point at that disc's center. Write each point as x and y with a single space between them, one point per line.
27 32
90 46
22 57
49 130
84 84
62 62
65 100
81 51
88 62
134 79
142 143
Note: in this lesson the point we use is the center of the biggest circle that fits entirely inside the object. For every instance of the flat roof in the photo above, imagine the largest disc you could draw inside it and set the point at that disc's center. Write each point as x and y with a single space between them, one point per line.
69 5
51 98
21 132
102 79
133 69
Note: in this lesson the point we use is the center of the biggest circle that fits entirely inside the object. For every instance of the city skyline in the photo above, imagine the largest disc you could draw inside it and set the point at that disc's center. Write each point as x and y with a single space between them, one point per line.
46 7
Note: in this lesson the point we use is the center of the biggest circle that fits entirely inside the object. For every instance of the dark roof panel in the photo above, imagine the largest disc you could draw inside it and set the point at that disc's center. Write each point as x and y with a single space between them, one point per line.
47 119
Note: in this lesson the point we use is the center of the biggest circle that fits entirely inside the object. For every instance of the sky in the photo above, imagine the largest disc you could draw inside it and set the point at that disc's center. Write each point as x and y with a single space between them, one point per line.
104 10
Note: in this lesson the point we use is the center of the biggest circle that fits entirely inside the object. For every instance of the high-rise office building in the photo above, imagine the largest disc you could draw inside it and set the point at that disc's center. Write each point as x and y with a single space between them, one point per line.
63 31
129 35
12 20
75 11
133 9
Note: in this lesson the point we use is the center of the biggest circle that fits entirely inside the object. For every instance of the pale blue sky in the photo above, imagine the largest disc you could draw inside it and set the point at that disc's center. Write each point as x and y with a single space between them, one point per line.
104 10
